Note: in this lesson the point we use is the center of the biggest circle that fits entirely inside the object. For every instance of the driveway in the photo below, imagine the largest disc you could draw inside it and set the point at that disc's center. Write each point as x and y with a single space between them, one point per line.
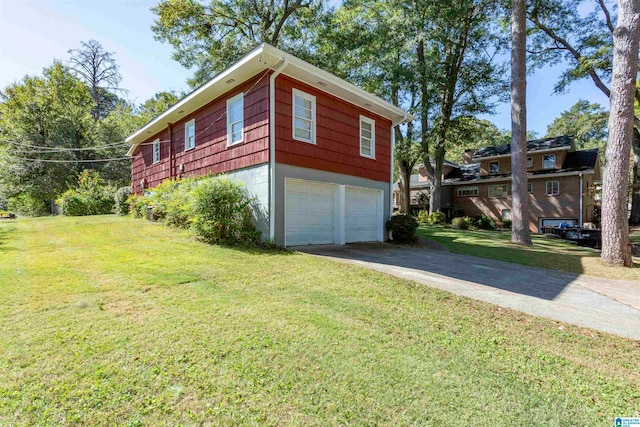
606 305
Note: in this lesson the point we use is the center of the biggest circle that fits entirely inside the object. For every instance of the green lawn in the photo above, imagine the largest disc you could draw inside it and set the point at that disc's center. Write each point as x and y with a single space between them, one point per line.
115 321
546 252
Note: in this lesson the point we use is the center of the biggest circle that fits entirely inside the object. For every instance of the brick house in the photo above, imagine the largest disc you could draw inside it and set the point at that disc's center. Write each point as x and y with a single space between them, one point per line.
314 150
561 183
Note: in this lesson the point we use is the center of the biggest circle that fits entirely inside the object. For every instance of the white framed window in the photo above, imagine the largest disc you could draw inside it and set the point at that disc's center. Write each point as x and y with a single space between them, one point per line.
506 214
235 119
529 162
552 188
498 191
156 151
530 187
367 137
467 191
494 167
190 134
549 161
304 117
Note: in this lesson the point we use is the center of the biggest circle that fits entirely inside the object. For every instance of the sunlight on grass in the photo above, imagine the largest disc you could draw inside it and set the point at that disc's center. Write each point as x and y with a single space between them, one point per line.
113 321
546 252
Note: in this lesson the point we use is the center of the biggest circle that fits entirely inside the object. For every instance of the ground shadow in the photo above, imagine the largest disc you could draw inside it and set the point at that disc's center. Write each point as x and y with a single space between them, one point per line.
535 282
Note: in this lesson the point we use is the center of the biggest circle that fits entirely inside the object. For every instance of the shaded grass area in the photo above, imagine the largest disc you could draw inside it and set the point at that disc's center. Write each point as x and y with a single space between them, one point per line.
107 320
546 252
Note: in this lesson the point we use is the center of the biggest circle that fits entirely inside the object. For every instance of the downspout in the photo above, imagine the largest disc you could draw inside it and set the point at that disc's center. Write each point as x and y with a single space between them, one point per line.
581 201
272 147
170 126
393 149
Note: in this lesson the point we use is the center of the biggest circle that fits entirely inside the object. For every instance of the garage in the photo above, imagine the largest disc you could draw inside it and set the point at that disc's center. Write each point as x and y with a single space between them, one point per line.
309 212
328 213
363 214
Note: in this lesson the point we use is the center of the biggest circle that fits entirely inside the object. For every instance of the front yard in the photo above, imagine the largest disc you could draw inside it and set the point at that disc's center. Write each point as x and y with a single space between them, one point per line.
546 252
107 320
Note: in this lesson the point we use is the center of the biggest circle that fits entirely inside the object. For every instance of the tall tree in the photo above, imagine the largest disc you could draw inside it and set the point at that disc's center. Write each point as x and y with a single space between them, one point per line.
520 197
615 231
211 36
98 69
586 121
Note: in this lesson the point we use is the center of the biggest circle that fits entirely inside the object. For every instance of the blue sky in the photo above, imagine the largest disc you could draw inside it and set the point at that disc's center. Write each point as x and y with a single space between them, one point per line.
35 32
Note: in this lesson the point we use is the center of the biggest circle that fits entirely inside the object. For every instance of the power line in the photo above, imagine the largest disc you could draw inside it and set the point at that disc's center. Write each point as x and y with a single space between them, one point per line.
63 149
73 161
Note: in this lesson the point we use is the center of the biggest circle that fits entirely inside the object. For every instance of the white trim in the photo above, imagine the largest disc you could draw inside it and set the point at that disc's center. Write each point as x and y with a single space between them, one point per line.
155 146
529 176
546 188
238 98
581 207
548 150
372 140
555 158
529 157
298 93
504 189
186 131
393 147
497 163
272 148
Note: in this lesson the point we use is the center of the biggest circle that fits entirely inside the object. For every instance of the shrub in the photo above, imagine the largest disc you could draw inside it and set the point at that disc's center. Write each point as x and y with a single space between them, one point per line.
437 218
91 197
485 223
462 223
136 205
121 200
28 206
170 202
506 223
222 213
423 217
403 228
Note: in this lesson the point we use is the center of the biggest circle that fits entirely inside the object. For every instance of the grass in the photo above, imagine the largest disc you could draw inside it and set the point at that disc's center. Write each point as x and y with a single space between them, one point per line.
114 321
546 252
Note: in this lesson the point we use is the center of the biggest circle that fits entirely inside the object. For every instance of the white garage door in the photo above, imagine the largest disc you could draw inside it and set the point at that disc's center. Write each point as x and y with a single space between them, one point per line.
363 211
309 213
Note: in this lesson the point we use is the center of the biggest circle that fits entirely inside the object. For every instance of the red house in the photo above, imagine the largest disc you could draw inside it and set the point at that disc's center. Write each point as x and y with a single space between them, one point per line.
314 150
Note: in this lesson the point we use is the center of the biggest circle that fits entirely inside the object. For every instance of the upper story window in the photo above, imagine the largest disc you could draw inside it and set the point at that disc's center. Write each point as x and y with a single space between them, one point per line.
494 167
529 162
467 191
367 137
156 151
552 188
498 191
304 117
235 119
530 187
190 135
549 161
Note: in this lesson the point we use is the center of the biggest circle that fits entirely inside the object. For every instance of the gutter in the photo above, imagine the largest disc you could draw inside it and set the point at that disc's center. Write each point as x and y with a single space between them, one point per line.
272 147
581 219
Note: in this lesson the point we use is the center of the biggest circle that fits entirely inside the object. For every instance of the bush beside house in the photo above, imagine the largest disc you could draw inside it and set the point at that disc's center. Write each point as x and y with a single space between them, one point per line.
91 197
403 228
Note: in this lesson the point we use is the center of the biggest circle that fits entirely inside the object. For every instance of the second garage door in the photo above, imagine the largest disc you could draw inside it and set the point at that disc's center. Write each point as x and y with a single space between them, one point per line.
363 215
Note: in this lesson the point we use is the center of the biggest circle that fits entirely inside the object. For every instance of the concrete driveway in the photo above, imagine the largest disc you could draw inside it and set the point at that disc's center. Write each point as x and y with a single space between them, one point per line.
602 304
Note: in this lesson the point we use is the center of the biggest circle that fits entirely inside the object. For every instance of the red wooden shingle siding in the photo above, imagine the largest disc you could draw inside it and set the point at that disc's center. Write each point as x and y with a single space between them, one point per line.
337 147
211 153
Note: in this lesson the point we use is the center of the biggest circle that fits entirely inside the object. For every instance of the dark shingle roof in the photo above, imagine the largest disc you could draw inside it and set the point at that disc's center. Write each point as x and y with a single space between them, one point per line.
576 161
557 142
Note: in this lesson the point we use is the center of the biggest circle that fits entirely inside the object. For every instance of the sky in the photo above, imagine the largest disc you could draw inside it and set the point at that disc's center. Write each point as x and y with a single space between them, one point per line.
35 32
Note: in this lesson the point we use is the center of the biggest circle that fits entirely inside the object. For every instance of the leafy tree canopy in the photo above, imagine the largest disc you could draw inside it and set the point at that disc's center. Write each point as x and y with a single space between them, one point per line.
584 120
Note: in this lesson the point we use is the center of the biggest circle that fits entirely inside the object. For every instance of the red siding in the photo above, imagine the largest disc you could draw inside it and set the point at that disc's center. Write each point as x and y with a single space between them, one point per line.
211 153
337 147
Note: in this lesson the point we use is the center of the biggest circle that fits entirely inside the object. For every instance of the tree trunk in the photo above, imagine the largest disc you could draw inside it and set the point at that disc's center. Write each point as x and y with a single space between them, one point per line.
520 197
634 219
405 187
435 201
615 229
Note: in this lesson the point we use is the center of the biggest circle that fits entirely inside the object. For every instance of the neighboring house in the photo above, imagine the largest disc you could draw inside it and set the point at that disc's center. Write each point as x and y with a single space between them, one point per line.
420 187
313 149
561 183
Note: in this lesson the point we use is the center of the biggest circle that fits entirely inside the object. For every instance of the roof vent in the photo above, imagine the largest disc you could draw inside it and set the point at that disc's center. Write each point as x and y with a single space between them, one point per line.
367 105
323 84
181 111
230 81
